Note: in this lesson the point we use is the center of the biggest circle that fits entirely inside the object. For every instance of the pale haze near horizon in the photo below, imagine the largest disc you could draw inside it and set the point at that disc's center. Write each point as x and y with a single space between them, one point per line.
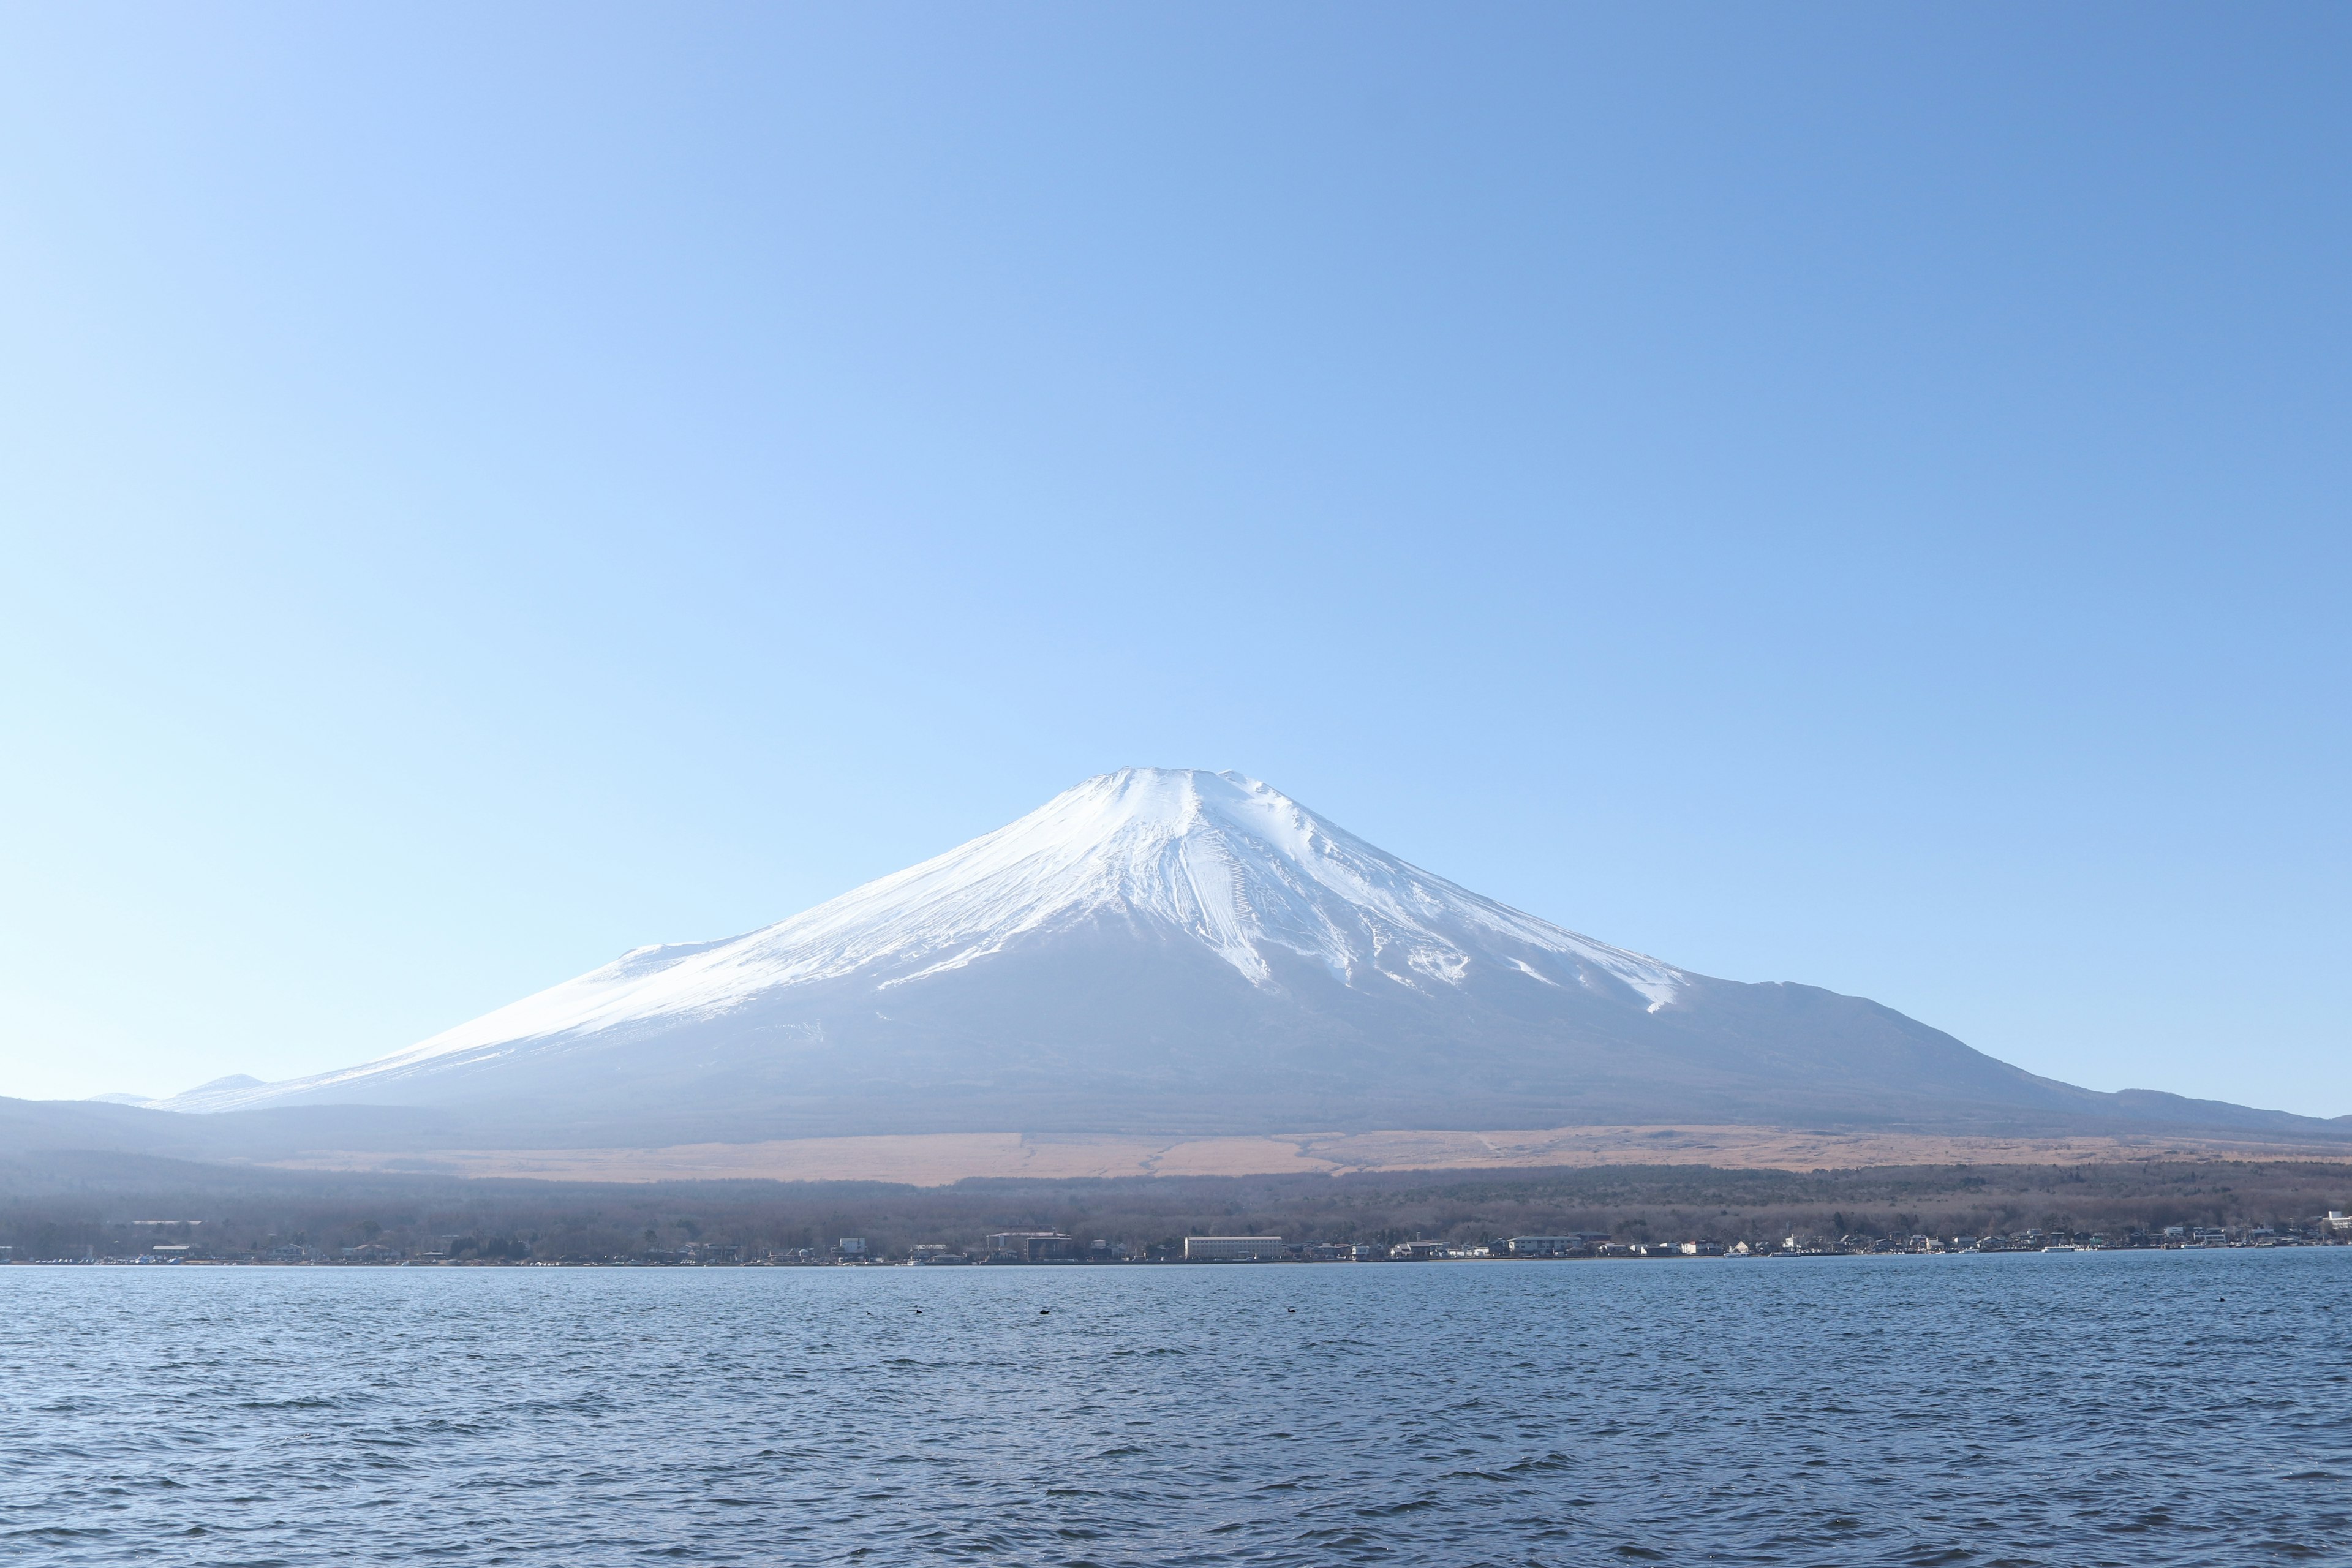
1841 496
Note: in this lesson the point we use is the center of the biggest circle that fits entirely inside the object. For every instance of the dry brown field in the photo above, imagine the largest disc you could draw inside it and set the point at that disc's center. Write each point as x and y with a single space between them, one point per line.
942 1159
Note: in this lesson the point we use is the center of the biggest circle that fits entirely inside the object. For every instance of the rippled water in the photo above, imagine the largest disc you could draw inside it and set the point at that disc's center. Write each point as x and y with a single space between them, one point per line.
2062 1409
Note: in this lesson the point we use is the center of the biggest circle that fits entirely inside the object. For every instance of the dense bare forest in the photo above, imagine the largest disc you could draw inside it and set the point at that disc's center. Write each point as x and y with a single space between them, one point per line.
59 1205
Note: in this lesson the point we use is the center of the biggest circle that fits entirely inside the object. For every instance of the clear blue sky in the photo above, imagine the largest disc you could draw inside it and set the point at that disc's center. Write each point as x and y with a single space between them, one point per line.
1847 494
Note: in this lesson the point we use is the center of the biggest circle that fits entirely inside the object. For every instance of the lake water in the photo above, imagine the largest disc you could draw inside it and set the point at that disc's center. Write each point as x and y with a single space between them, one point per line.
2059 1409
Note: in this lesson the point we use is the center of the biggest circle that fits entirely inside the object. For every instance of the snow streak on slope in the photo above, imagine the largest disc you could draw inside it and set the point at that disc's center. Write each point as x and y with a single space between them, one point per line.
1226 860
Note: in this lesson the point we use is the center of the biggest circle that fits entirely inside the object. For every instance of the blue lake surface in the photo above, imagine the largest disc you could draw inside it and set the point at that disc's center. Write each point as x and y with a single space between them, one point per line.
2060 1409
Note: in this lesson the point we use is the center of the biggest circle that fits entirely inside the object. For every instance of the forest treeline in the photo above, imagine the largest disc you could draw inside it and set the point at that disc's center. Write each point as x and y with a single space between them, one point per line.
59 1205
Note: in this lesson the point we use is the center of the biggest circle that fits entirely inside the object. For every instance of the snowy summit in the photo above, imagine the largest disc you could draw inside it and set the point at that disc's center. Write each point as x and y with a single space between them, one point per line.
1159 949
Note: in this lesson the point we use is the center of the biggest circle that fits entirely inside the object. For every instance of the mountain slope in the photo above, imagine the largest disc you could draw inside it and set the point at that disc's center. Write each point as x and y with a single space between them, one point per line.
1173 951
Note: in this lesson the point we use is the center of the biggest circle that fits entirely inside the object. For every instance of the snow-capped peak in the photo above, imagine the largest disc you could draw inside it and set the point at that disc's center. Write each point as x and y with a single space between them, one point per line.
1226 859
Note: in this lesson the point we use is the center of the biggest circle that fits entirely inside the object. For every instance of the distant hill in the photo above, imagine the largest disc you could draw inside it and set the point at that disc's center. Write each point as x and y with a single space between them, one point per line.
1173 950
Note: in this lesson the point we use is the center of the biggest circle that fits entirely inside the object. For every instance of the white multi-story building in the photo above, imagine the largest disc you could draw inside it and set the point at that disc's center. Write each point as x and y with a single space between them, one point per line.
1231 1249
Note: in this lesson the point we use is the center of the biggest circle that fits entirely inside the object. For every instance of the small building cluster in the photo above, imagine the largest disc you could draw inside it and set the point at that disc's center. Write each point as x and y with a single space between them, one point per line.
2333 1228
1029 1248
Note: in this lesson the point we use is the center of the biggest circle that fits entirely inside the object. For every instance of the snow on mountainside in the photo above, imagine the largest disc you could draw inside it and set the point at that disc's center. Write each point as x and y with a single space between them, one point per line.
1163 949
1230 863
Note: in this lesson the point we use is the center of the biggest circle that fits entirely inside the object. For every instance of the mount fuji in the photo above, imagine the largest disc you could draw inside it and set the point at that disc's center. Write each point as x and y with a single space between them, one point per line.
1171 950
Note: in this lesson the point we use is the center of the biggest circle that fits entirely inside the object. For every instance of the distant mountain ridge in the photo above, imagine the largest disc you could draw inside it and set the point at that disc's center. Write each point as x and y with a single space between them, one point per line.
1171 950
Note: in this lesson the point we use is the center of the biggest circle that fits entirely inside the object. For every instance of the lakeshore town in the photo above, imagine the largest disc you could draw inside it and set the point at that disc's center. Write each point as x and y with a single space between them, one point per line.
1046 1247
